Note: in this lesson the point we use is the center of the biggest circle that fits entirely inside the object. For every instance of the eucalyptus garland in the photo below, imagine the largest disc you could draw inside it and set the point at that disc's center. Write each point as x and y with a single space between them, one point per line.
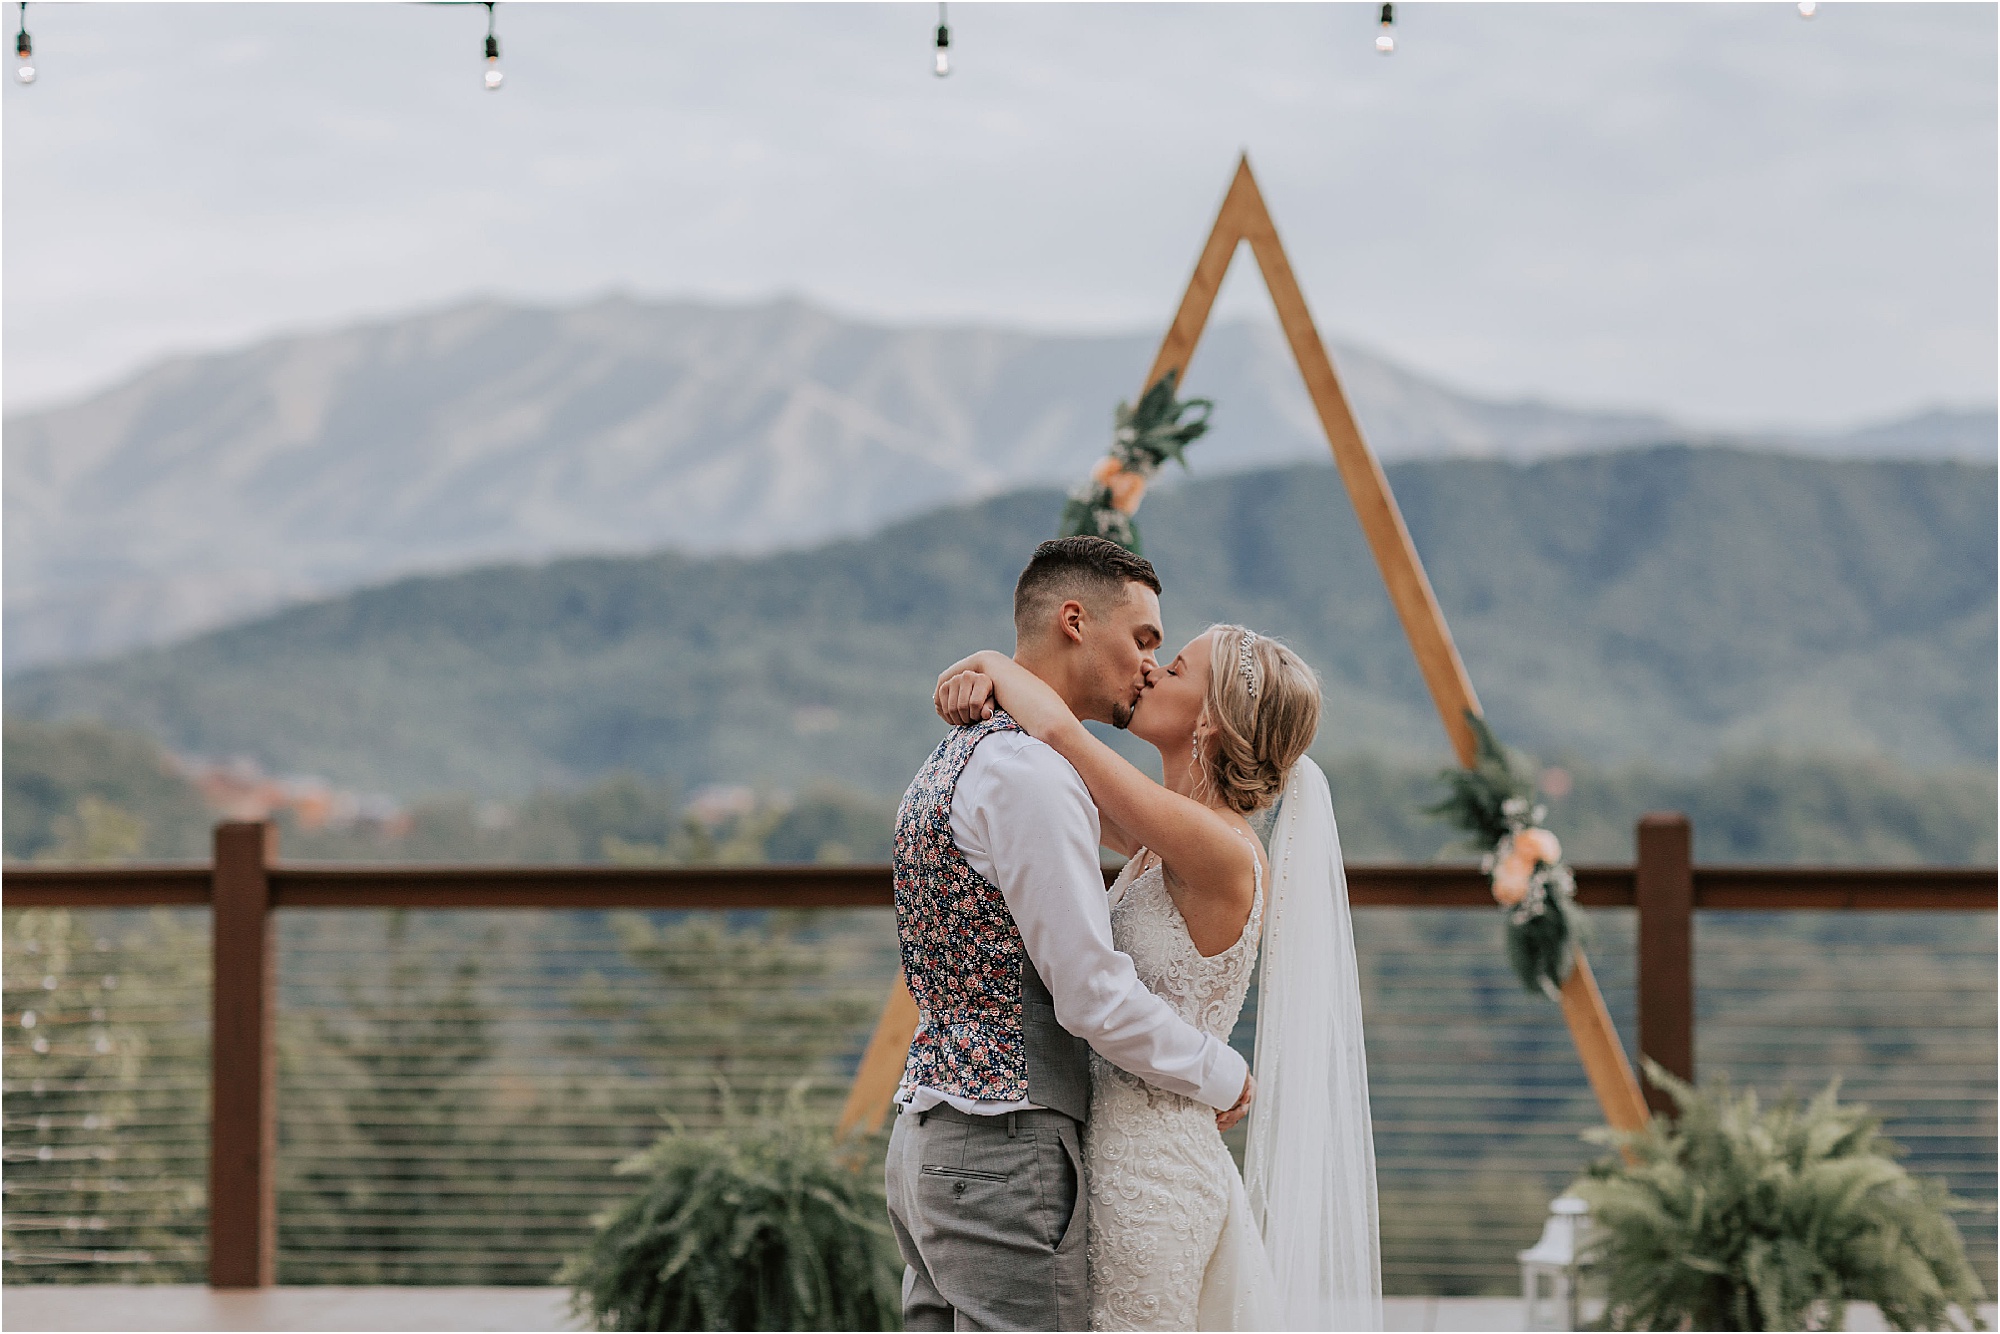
1158 429
1493 802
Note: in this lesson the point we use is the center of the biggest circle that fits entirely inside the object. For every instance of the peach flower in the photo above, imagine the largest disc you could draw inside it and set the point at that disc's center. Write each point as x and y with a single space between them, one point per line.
1127 488
1515 861
1538 845
1510 883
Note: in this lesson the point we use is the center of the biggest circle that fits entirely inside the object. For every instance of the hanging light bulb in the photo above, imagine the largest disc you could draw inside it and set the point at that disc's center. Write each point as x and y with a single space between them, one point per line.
942 66
1385 41
1807 8
494 76
24 50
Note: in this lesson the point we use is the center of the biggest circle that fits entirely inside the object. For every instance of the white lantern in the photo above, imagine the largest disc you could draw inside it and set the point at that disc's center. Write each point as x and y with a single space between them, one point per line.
1550 1269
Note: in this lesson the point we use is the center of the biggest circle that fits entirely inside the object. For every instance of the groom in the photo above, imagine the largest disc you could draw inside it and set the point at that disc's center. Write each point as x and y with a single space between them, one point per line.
1006 943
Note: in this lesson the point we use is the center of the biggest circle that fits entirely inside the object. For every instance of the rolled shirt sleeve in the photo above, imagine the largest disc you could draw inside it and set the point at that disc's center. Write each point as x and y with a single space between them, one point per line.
1024 820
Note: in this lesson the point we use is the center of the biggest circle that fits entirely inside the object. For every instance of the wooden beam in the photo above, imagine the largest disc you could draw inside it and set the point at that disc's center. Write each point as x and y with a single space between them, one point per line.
243 1064
330 885
1666 949
1410 592
107 886
881 1068
1367 486
1861 888
1597 1046
1369 885
1231 220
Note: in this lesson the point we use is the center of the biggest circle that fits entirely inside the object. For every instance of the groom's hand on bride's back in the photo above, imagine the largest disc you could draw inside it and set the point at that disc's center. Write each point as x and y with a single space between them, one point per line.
964 697
1227 1120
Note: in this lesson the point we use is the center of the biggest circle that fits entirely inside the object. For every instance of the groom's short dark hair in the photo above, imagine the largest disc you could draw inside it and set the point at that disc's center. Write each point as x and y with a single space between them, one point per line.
1088 569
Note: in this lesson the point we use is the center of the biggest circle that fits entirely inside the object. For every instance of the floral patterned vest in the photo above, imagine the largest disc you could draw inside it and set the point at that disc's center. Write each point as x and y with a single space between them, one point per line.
986 1026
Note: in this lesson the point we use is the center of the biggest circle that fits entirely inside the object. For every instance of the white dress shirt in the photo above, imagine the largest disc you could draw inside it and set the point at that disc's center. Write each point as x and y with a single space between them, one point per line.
1023 818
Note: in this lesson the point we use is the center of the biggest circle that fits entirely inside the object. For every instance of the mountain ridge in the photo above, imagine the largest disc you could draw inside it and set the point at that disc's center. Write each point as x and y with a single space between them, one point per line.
1670 605
214 486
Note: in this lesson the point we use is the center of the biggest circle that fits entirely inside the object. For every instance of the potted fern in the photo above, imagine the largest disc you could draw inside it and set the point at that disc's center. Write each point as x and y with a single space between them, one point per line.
762 1225
1736 1217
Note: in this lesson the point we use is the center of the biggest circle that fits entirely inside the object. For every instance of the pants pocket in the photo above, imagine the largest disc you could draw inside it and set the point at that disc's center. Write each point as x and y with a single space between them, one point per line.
964 1173
1075 1227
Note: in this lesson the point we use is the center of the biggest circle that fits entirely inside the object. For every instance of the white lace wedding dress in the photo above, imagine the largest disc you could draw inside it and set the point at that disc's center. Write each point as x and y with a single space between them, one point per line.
1172 1241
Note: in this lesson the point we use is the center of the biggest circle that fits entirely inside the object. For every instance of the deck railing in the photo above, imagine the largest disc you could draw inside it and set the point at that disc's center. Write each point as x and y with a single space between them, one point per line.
246 885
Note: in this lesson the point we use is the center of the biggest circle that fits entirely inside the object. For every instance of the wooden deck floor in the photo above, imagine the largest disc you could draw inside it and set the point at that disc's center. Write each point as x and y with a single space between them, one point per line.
163 1307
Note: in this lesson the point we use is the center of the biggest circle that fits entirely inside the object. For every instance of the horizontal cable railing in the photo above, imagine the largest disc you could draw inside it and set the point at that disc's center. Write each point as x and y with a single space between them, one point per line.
459 1086
105 1095
462 1055
1899 1007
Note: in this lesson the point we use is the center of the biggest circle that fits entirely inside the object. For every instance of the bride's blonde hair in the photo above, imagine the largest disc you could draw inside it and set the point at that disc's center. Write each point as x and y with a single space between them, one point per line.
1263 712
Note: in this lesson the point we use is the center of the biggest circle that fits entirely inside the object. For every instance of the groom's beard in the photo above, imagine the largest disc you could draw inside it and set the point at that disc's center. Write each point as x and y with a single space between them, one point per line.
1121 716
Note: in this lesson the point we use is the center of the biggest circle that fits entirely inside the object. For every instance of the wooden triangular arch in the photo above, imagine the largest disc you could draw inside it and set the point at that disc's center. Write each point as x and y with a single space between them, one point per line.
1245 218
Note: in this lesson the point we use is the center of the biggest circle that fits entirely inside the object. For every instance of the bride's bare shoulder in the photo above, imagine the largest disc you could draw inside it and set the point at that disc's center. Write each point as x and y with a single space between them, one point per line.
1217 907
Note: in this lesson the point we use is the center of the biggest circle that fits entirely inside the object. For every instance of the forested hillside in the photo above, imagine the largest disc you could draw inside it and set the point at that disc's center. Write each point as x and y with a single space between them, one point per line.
1663 606
211 487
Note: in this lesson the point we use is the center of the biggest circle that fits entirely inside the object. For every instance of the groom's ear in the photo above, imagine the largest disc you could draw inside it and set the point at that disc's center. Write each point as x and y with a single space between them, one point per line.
1070 617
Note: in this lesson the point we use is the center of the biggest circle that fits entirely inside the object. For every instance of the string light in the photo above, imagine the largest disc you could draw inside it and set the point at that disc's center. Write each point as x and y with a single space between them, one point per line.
494 76
1385 41
942 66
24 50
1807 8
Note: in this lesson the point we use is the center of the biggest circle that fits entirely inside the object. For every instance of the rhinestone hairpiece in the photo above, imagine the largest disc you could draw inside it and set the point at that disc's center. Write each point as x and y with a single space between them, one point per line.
1246 665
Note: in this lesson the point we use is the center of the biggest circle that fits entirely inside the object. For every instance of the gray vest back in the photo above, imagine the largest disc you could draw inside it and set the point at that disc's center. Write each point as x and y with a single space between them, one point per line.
1058 1060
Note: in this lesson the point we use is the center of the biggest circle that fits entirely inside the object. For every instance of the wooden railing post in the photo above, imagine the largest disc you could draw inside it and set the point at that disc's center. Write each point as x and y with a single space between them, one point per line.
1664 887
243 1103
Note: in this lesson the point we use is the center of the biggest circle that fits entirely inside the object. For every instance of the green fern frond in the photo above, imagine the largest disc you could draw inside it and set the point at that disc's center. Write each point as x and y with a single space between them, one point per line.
1741 1217
764 1225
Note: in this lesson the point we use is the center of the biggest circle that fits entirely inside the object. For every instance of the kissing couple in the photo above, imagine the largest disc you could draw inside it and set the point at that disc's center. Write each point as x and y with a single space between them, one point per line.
1058 1160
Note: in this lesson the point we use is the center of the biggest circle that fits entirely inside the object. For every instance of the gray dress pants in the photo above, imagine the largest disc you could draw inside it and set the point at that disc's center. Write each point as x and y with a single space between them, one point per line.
992 1219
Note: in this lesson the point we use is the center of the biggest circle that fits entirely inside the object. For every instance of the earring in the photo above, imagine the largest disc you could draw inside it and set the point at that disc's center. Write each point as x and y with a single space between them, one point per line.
1195 746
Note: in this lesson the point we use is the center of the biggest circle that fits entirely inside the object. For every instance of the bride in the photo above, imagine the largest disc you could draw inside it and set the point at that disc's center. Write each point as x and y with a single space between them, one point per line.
1177 1239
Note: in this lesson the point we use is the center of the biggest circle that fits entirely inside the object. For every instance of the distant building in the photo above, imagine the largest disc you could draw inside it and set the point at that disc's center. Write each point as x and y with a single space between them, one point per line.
239 789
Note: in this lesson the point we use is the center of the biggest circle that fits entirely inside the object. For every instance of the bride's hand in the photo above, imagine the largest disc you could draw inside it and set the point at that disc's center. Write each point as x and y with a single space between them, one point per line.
964 691
973 687
966 697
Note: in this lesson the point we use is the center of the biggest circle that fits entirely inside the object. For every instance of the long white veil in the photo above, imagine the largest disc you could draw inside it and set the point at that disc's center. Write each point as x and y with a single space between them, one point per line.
1310 1166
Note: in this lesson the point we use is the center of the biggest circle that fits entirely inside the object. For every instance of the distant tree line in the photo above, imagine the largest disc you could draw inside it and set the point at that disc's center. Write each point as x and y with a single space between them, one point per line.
82 791
85 791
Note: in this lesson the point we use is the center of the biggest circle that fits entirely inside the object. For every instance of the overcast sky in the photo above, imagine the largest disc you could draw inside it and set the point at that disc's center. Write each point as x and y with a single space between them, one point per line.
1723 212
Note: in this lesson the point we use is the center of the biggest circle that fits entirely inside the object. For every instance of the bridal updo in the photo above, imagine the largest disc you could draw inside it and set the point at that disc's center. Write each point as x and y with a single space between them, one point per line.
1263 711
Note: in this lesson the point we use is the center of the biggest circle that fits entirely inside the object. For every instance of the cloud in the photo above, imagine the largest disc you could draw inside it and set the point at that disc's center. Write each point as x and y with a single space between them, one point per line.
1717 211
